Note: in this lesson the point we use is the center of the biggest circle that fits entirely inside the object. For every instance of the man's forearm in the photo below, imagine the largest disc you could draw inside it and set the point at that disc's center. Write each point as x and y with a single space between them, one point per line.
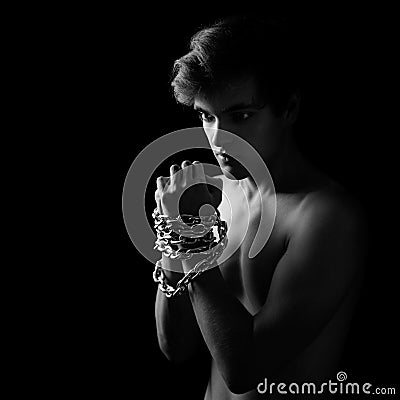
227 328
177 330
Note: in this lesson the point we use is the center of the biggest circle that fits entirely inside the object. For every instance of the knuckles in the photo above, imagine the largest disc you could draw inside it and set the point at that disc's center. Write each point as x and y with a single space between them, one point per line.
185 177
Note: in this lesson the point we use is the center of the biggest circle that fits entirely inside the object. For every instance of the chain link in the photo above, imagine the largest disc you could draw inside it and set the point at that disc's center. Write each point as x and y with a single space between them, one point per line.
179 237
202 266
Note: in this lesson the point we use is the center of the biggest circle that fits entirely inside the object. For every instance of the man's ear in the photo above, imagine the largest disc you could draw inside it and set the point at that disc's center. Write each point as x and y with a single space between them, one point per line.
292 110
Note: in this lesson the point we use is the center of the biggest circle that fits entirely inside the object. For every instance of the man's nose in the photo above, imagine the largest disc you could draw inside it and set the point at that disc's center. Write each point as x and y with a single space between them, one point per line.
220 137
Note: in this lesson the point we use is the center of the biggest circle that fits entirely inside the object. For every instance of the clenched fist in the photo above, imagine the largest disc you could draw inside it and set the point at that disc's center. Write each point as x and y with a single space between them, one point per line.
188 191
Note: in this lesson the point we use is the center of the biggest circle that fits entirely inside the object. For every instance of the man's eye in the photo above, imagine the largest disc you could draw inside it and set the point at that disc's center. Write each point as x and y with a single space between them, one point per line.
206 117
241 116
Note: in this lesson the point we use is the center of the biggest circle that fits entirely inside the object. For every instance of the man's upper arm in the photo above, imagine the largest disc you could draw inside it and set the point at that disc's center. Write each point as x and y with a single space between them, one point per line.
310 281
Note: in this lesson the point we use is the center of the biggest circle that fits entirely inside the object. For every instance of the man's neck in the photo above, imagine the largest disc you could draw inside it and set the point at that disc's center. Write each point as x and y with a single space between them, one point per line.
291 172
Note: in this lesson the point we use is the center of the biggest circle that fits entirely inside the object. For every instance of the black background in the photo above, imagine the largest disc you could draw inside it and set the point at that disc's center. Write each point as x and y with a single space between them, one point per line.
343 128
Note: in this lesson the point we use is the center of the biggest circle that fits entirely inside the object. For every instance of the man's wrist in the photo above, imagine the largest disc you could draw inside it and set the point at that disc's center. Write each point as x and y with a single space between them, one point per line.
173 266
190 263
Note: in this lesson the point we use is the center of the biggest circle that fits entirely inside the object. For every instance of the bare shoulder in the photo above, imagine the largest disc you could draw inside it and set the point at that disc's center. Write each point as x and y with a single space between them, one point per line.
330 223
327 238
333 206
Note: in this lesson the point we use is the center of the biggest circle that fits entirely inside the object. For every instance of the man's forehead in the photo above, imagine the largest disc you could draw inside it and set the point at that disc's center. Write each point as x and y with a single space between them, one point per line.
237 93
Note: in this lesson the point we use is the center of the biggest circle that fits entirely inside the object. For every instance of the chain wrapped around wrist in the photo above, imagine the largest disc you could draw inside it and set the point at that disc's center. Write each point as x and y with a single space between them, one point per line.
180 237
183 236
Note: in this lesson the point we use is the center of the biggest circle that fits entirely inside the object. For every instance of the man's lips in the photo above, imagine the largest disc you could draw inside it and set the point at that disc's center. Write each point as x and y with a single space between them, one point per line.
222 156
220 153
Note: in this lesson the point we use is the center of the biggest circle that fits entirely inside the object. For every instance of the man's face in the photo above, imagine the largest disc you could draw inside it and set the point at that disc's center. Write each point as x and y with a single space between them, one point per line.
238 108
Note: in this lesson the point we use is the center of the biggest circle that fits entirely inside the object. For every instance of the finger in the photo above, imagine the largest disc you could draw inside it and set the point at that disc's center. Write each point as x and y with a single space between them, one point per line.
158 201
173 171
186 172
193 169
160 188
198 172
163 182
160 184
186 163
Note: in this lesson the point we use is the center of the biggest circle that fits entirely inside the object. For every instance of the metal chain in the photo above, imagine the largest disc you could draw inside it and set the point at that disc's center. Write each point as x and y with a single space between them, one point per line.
201 234
187 231
202 266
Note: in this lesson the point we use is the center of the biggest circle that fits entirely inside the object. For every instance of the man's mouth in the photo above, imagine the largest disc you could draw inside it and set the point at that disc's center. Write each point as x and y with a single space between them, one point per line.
220 152
222 156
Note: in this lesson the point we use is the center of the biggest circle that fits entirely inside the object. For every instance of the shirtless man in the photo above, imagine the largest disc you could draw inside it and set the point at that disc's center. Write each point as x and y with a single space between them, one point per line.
284 314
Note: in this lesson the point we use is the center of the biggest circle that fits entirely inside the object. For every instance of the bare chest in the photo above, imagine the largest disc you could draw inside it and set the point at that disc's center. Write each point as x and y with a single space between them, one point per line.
248 277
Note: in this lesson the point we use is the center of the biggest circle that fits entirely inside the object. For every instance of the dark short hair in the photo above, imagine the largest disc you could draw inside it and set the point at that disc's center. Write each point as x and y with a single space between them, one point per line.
236 46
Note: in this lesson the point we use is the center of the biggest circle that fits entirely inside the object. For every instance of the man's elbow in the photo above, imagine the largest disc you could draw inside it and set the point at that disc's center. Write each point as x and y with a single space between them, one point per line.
239 385
242 376
247 377
240 381
174 354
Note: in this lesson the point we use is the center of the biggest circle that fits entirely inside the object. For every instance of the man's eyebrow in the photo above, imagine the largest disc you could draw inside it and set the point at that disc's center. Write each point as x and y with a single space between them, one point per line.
197 108
234 107
243 106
